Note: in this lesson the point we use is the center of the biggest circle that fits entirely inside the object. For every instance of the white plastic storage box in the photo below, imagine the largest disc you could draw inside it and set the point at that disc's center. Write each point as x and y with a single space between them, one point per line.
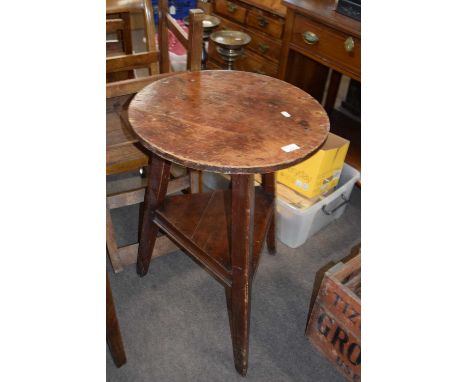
296 225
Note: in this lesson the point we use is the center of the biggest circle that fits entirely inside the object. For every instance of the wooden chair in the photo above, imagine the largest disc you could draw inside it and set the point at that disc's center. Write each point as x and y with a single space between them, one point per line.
118 21
119 24
123 152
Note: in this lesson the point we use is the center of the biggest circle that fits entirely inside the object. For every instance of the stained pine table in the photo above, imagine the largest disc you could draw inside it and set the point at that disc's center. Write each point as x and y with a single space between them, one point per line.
230 122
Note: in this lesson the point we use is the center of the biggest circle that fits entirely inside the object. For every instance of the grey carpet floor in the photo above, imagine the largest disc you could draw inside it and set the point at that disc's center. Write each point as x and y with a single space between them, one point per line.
174 321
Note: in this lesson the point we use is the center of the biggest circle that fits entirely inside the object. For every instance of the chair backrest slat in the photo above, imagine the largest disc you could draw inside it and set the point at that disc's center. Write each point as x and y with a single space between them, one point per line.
194 49
178 31
163 37
150 33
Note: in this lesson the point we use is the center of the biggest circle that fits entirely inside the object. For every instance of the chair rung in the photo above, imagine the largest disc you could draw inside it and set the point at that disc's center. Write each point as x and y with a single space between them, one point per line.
129 62
135 196
116 89
163 246
114 25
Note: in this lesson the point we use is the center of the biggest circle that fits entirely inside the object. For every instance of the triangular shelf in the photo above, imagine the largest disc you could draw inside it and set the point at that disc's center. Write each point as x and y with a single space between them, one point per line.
201 223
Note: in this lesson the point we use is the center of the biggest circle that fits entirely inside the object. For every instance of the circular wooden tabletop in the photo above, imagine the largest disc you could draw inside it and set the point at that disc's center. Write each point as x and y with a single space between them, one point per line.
228 121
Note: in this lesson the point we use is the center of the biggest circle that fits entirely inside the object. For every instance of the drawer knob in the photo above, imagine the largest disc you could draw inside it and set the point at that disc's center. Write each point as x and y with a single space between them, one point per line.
262 21
263 48
349 44
310 38
232 7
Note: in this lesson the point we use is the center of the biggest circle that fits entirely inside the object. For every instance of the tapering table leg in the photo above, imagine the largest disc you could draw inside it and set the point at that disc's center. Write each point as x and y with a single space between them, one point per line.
269 185
158 179
113 336
243 204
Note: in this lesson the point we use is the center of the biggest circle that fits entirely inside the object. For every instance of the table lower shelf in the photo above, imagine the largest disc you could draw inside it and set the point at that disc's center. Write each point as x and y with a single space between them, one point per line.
201 224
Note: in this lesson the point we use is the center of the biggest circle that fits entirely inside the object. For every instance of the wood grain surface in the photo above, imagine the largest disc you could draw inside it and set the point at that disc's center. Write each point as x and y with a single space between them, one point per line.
274 6
228 121
205 220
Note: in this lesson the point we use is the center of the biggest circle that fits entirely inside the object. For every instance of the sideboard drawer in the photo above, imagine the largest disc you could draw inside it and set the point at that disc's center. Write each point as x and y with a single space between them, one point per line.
264 46
260 44
249 62
327 45
228 25
256 19
231 10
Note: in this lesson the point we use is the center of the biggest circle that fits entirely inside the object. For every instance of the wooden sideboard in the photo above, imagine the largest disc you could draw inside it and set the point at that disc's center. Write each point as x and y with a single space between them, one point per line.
263 21
318 41
316 30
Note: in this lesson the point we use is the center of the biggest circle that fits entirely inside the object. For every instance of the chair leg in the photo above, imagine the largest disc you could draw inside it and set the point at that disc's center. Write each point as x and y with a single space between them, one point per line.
113 336
158 179
269 185
111 243
243 204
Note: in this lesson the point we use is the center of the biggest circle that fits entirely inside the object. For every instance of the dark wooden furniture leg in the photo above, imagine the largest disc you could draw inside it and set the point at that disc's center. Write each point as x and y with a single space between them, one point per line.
113 336
111 243
243 204
269 185
333 87
158 179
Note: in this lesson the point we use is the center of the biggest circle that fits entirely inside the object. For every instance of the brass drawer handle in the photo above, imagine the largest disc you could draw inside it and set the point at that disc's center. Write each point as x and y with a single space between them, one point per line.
232 7
262 21
310 38
349 44
258 71
263 48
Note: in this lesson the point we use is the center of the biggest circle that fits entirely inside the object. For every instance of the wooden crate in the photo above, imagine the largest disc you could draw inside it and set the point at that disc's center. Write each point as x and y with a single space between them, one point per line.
334 325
